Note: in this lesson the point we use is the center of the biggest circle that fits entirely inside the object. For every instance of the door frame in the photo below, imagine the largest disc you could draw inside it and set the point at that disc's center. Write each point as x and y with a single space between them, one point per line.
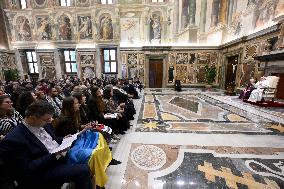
224 65
146 71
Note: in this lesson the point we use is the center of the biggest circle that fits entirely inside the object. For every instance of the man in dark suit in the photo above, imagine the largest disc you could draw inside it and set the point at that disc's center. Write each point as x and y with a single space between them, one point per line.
27 153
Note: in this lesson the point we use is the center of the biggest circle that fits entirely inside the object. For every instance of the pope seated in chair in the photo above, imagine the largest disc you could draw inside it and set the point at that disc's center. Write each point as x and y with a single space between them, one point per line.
256 95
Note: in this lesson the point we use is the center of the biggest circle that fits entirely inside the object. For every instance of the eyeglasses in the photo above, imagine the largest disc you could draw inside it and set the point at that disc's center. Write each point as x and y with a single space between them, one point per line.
47 120
8 102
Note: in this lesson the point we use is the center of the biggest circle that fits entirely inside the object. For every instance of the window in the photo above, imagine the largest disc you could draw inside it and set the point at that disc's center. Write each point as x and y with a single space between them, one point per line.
109 61
106 2
65 3
157 1
70 61
32 62
23 4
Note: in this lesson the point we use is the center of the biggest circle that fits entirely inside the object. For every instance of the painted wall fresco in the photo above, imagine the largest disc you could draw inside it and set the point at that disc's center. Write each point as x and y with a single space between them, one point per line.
87 65
155 27
264 12
82 3
129 1
23 29
7 61
176 22
3 33
44 29
47 66
106 27
130 31
133 66
85 27
247 71
65 31
40 3
189 67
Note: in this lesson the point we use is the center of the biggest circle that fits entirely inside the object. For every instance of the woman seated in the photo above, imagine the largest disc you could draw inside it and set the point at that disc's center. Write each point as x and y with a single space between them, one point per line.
9 118
83 107
97 107
23 101
104 130
256 95
112 107
69 119
69 122
247 91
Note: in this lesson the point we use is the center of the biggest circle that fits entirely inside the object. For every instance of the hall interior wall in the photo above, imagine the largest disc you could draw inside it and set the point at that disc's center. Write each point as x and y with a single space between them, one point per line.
191 41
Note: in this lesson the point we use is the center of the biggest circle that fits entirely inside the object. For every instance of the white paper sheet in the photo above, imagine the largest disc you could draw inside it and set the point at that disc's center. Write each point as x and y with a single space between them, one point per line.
66 143
112 116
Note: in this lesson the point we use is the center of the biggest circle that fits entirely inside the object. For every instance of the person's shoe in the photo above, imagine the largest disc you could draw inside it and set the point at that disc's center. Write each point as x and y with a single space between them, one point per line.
114 162
98 187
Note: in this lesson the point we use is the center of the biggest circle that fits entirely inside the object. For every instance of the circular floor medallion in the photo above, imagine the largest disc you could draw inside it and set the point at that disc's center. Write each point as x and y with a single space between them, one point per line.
148 157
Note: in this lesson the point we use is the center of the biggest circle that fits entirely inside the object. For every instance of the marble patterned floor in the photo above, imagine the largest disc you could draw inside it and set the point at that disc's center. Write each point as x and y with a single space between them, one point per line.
199 139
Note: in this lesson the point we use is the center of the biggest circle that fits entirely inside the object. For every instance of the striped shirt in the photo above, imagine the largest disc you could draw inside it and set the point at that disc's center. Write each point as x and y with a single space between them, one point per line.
8 124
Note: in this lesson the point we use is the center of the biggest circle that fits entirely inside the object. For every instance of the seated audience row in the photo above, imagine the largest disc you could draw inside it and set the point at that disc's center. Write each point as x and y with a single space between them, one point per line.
70 108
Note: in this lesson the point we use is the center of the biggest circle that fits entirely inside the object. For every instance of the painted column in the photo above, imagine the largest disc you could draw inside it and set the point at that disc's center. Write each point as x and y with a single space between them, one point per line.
230 12
176 16
215 12
57 64
223 11
192 11
98 63
203 15
184 14
235 7
119 63
18 61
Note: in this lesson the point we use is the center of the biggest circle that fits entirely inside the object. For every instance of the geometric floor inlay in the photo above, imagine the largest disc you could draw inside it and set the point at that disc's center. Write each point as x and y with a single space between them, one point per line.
186 104
200 113
203 170
202 140
148 157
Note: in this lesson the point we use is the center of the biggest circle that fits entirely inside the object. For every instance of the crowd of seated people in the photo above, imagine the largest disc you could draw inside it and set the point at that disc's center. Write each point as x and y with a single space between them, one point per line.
45 112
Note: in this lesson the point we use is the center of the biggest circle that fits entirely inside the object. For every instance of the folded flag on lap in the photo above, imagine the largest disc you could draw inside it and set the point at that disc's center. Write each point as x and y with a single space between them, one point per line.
91 148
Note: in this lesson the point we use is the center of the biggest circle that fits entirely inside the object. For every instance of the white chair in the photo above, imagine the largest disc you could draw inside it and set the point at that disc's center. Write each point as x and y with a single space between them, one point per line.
270 92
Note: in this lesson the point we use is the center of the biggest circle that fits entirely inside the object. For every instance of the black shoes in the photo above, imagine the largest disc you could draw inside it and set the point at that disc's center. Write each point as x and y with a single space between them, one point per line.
114 162
98 187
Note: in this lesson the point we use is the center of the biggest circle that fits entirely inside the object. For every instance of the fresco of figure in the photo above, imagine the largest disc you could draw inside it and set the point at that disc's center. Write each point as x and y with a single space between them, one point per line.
44 29
24 30
85 27
106 29
155 27
264 12
65 29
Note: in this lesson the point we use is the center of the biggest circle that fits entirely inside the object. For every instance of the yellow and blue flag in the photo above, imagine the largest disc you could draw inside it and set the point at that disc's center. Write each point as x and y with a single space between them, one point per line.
91 148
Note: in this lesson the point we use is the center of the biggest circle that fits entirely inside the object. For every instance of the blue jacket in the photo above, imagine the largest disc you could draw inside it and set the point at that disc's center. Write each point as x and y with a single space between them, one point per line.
25 156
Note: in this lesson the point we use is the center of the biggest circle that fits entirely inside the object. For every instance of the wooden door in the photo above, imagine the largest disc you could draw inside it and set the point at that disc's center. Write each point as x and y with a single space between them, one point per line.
231 70
155 73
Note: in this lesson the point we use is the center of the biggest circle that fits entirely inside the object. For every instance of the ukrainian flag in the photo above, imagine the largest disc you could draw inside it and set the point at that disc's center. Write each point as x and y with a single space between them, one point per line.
91 147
